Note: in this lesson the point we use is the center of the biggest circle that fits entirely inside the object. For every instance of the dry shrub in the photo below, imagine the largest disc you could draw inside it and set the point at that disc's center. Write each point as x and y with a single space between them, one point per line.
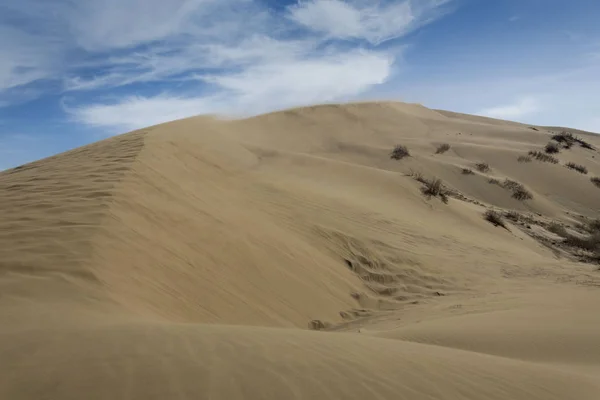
558 229
595 180
431 187
495 218
589 243
442 148
494 181
552 148
594 226
568 140
524 159
467 171
565 138
482 167
519 191
522 194
435 188
585 144
538 155
399 152
579 168
512 215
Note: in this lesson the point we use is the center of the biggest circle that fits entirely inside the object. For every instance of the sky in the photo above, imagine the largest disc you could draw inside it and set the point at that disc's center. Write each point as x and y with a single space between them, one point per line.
77 71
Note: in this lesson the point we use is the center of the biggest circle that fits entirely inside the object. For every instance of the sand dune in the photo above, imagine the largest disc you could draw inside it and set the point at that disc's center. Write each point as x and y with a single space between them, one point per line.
190 259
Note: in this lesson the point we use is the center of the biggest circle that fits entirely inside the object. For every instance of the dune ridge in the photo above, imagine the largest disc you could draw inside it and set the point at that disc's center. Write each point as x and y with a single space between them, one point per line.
189 260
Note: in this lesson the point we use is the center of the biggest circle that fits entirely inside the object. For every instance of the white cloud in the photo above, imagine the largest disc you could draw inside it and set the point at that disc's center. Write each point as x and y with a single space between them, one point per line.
375 22
258 89
137 112
306 81
522 107
226 56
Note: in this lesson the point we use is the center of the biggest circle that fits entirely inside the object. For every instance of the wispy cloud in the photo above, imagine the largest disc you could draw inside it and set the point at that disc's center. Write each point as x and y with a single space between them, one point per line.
520 108
260 88
375 22
226 56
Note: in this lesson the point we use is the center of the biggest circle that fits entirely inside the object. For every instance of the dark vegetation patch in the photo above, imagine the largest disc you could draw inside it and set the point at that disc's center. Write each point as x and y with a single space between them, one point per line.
433 187
442 148
495 218
567 139
552 148
519 191
579 168
524 159
482 167
399 152
538 155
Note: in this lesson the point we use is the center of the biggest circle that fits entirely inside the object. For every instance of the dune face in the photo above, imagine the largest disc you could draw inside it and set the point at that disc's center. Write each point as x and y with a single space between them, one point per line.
191 260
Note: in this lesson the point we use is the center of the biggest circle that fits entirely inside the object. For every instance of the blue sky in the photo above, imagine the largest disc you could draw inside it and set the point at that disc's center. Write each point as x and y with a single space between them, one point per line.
76 71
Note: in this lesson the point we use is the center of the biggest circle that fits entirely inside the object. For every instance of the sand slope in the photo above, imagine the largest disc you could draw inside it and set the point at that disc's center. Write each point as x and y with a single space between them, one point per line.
164 263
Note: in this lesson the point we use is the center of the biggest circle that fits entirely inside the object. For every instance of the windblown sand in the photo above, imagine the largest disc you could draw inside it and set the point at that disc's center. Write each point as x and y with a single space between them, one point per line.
189 260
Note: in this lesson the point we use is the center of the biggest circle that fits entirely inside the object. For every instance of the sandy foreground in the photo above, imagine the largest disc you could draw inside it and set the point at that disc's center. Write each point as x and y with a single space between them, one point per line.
287 256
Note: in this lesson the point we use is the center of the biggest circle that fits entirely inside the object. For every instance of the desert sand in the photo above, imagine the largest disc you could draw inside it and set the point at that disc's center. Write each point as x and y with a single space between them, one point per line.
287 256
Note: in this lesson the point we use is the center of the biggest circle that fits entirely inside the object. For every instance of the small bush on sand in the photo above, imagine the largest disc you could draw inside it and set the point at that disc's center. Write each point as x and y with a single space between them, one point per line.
467 171
513 216
557 229
585 144
538 155
482 167
399 152
524 159
552 148
417 176
568 140
518 190
431 187
589 243
511 185
435 188
595 180
579 168
565 138
594 226
522 194
494 181
495 218
442 148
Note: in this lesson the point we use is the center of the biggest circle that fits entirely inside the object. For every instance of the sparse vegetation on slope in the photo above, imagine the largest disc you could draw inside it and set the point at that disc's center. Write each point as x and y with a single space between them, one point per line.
519 191
552 148
565 138
442 148
524 159
435 188
568 140
467 171
538 155
512 215
557 229
495 218
482 167
399 152
595 180
431 187
577 167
